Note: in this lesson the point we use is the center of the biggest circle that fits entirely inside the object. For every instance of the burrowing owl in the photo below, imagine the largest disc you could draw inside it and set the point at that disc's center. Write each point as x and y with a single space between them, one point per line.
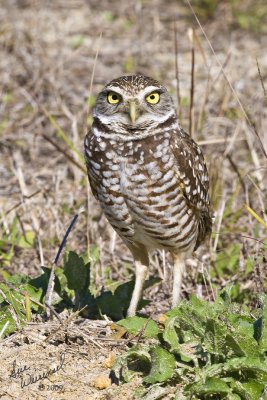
148 175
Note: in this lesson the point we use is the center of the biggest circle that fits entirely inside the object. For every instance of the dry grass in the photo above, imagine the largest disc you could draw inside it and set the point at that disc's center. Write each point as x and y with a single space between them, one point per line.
47 57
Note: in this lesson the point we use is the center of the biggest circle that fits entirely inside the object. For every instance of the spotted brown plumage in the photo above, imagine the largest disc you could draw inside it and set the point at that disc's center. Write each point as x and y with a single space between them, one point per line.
148 175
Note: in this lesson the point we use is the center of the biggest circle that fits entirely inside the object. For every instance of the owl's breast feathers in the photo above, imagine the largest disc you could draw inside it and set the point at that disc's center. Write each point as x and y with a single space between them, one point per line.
156 187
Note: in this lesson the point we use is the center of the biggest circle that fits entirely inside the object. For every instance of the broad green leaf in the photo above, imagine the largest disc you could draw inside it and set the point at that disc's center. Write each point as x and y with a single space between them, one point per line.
171 336
264 394
137 359
241 335
211 386
157 392
88 303
116 304
61 283
241 340
17 280
41 282
219 347
233 396
21 283
250 390
27 241
124 293
136 325
162 365
202 307
232 343
110 305
263 336
34 293
77 273
6 317
152 281
223 300
191 318
15 299
249 366
215 337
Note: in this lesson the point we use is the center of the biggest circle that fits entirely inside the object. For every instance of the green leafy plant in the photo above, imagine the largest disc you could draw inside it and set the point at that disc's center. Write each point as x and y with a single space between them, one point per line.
20 295
209 350
14 240
73 289
17 298
246 15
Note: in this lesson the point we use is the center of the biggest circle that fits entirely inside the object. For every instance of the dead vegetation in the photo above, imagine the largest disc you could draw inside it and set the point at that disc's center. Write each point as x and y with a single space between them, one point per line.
50 76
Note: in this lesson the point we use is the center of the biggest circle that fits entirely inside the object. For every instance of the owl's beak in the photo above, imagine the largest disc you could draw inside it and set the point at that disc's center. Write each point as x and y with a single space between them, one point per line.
132 111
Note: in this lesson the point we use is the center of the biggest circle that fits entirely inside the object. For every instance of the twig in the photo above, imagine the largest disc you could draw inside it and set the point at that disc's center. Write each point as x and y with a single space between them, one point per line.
203 104
255 158
22 228
235 168
220 217
192 87
259 191
64 152
199 45
261 79
232 141
226 61
256 216
177 72
250 123
41 253
219 140
242 236
87 111
59 131
4 328
22 201
53 311
50 287
93 72
71 225
88 221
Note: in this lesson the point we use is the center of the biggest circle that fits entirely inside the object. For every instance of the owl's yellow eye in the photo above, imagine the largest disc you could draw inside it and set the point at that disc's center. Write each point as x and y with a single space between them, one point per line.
153 98
113 98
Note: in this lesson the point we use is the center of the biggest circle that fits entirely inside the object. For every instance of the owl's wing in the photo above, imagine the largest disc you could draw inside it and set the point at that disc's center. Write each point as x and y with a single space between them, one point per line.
193 177
88 150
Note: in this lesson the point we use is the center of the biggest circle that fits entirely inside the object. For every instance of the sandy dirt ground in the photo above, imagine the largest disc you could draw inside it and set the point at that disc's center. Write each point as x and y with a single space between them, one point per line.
47 59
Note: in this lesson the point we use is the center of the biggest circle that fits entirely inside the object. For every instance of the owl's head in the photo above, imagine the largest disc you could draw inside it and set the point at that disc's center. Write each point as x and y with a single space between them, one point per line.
134 102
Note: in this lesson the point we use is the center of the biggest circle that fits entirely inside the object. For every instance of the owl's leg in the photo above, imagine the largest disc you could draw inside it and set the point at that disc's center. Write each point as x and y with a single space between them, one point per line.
178 270
140 276
141 265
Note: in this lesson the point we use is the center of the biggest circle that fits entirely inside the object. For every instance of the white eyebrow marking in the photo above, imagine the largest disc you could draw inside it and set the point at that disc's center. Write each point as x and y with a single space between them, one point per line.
115 89
140 95
150 89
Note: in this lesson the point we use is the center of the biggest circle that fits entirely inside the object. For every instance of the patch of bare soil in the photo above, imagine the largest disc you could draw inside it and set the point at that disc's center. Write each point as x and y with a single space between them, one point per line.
54 361
47 57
